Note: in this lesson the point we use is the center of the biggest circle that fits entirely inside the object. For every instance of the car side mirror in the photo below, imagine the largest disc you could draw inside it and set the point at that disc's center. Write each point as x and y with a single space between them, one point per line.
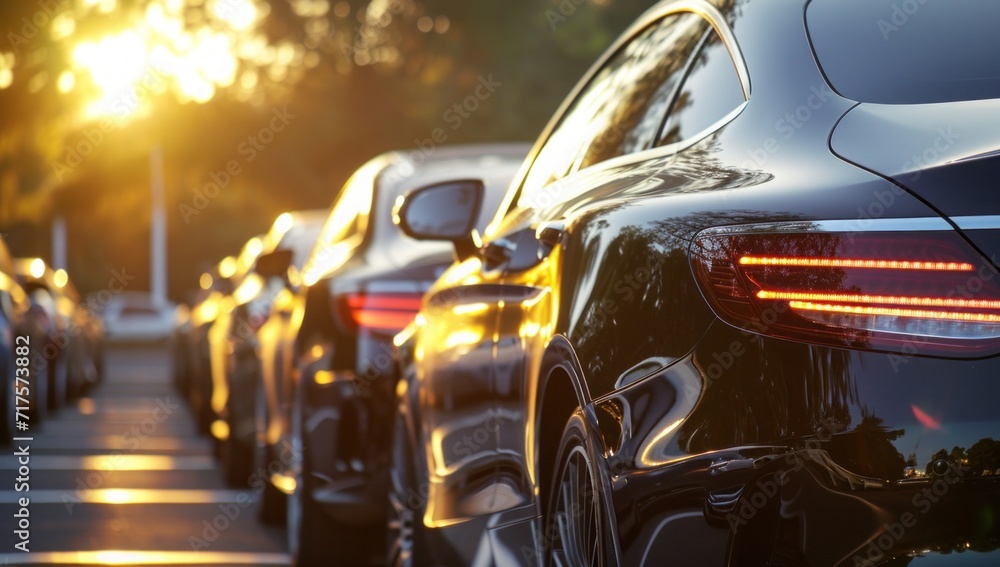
444 211
274 264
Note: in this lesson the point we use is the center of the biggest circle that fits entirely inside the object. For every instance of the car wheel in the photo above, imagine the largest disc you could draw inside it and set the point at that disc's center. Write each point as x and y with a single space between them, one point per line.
271 509
406 545
576 530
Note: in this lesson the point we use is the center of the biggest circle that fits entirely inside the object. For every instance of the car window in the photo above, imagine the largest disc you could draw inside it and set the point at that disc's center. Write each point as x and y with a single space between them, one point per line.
300 239
711 90
346 224
621 109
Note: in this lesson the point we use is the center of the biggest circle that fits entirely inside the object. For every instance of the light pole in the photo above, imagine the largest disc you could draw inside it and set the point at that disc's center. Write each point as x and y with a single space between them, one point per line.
157 229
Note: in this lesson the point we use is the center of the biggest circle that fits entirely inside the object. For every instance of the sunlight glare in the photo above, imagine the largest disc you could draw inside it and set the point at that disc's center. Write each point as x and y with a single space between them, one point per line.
67 80
239 14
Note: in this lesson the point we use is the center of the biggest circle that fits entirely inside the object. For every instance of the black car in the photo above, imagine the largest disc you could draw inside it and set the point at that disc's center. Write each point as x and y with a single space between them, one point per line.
325 397
740 307
292 234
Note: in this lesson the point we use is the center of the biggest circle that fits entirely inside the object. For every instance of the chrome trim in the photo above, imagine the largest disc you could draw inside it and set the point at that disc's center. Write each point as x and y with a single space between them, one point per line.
983 222
914 224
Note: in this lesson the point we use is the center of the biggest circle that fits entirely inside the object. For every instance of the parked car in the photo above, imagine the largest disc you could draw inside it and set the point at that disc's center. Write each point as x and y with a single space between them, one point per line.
135 316
70 354
216 284
326 351
86 357
17 335
213 379
740 307
291 236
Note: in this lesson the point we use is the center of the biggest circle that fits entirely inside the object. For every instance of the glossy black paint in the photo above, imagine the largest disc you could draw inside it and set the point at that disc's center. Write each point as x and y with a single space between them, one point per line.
715 445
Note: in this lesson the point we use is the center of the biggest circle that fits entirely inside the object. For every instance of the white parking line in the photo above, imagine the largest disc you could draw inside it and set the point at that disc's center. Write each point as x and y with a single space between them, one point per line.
106 443
118 557
128 496
112 462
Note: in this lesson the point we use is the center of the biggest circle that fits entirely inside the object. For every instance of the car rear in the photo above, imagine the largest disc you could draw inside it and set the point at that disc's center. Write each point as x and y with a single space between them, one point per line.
365 280
872 343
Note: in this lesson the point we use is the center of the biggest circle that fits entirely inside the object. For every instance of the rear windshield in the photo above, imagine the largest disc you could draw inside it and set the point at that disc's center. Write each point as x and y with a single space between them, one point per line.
908 51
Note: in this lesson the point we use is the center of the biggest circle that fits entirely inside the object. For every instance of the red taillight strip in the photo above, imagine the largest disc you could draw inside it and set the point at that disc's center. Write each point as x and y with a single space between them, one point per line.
884 299
856 263
891 312
408 303
383 320
383 312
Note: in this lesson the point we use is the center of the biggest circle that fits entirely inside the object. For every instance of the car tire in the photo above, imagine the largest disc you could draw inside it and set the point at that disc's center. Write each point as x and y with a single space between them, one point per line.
271 508
405 538
576 504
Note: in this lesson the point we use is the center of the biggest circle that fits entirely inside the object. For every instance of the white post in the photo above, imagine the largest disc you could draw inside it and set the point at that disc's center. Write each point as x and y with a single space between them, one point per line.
158 229
59 242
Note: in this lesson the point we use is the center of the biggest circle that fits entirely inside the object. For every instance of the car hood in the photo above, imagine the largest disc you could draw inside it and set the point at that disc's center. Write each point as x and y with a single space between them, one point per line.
947 154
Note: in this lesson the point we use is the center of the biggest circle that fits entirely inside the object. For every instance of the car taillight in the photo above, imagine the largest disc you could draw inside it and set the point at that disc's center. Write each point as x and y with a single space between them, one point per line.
385 313
916 291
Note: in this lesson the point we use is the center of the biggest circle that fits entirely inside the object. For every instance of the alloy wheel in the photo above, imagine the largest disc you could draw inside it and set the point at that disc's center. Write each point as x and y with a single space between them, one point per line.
577 531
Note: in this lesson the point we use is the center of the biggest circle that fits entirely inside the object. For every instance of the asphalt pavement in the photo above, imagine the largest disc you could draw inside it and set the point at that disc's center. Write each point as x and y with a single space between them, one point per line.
122 478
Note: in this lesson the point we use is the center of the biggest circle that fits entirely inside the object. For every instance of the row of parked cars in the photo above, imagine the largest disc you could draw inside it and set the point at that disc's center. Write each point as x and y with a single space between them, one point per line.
50 339
716 315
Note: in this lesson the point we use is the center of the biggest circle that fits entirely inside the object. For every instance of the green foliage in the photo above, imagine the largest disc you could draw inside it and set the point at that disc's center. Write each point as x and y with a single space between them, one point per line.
371 84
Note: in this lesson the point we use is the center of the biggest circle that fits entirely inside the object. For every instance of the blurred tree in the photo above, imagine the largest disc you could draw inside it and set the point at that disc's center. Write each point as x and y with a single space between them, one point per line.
89 87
